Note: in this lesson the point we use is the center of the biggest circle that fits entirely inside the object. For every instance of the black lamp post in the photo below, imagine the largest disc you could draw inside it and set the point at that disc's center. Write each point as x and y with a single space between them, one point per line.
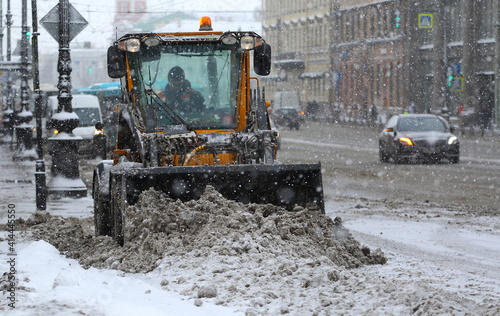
24 131
8 114
40 176
64 146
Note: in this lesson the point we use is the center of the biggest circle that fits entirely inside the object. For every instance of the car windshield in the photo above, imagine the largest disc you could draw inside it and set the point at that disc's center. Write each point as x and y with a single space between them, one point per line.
421 124
209 72
289 112
87 116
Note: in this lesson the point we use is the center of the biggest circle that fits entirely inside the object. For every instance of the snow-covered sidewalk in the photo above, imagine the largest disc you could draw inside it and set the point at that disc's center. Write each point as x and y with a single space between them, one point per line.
48 283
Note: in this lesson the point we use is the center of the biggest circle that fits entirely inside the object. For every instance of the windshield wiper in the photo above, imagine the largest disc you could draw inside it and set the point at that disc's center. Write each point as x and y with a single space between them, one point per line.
167 109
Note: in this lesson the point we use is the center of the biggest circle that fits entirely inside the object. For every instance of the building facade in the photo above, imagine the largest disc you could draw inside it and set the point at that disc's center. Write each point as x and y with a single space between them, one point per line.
438 54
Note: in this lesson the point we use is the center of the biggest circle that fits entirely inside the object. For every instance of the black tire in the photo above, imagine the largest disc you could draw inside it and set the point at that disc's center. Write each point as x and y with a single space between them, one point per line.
102 219
102 209
397 159
455 159
116 215
382 155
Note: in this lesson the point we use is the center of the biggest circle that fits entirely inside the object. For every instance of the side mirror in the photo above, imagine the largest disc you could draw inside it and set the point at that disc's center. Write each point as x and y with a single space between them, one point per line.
262 59
116 63
452 129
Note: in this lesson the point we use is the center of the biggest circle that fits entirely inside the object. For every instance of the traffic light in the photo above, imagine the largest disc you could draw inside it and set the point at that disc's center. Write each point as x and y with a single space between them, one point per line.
397 19
449 76
449 81
28 34
90 70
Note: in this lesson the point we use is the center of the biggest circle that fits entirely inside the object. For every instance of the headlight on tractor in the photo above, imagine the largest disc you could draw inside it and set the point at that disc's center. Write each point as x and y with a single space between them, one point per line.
406 141
132 45
452 140
247 42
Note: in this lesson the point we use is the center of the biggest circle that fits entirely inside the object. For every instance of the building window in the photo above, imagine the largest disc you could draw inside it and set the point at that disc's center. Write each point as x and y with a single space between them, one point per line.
140 7
371 25
362 25
455 21
486 17
354 26
123 7
340 24
381 23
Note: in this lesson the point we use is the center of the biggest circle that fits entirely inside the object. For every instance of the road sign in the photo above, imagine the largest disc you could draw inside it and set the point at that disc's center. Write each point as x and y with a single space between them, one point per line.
457 69
425 21
458 84
50 22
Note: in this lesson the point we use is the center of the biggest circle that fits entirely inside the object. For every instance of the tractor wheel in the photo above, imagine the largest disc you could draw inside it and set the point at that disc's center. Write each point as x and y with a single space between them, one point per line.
102 220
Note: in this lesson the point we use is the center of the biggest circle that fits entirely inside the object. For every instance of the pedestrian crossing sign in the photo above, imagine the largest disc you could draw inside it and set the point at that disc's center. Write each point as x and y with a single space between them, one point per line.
458 84
425 20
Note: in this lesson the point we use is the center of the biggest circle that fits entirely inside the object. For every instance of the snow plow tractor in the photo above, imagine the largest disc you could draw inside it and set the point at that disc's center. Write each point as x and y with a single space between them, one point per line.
192 114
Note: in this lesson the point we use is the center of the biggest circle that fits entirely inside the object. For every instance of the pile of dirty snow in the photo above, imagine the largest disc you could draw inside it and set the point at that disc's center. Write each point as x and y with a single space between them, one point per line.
214 248
158 227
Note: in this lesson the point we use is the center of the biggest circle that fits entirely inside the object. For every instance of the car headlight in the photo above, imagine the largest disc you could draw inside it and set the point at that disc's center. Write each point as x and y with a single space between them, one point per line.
452 140
406 141
98 132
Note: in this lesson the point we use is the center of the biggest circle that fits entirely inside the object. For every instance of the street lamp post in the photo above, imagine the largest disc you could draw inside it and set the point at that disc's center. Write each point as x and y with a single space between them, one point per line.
64 146
1 30
440 46
497 66
333 55
40 176
24 131
8 114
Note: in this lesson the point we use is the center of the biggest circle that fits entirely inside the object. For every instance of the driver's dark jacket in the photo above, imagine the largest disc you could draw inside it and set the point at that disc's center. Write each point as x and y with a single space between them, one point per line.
185 100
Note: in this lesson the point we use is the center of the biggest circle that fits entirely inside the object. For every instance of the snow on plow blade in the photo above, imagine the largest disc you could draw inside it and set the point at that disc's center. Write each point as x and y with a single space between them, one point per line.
282 185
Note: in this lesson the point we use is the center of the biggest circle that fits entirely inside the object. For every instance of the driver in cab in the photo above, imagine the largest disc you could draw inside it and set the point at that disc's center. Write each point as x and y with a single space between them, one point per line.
179 95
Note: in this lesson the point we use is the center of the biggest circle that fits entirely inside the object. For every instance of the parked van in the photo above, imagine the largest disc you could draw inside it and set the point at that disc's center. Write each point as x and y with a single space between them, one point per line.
288 99
87 108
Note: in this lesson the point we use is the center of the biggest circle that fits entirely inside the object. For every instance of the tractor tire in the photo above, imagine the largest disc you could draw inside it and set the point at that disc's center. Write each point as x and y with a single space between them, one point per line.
117 205
102 210
102 199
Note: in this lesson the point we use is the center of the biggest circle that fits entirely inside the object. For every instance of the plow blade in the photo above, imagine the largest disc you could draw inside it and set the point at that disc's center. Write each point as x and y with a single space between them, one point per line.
282 185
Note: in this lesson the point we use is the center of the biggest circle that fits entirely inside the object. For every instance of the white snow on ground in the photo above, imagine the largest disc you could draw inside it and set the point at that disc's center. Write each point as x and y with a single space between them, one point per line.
440 262
55 285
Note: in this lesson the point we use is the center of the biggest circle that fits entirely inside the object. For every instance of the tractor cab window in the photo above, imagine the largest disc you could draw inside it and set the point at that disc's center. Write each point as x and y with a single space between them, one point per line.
188 84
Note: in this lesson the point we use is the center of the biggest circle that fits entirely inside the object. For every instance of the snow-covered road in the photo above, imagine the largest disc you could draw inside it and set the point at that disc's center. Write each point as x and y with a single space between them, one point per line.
442 259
